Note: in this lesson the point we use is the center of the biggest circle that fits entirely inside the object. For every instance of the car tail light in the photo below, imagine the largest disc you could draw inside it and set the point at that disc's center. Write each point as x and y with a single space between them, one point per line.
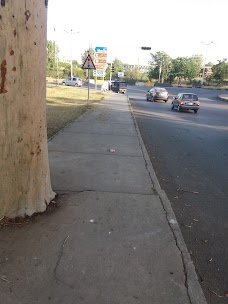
181 103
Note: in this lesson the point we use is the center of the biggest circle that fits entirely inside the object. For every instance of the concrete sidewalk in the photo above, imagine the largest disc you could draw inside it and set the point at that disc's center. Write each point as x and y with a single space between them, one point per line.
113 238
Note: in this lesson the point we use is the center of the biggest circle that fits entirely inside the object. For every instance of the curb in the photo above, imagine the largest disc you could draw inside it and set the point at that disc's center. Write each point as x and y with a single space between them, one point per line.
223 98
194 290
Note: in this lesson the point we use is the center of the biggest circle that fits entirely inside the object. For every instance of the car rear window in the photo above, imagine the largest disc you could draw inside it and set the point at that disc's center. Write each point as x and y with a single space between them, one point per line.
190 96
161 90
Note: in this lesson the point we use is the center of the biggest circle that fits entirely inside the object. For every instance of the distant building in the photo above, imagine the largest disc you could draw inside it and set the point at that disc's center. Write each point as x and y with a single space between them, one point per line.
208 71
141 68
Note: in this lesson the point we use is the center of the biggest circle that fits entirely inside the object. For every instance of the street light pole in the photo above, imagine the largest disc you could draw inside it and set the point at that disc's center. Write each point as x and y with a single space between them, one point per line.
56 60
71 60
71 57
159 76
205 58
160 70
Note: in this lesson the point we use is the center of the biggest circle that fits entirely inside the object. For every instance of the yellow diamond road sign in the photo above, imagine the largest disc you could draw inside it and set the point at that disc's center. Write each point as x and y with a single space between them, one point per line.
88 63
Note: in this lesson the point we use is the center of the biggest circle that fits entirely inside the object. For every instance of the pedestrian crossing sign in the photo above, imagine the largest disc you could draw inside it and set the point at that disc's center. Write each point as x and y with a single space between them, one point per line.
88 63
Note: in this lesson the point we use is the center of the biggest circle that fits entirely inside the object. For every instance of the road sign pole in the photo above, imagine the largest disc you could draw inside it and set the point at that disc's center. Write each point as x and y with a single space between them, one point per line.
96 82
110 79
88 83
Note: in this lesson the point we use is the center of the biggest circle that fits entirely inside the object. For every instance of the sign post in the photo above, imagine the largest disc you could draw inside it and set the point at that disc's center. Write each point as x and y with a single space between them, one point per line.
88 65
88 84
96 82
100 62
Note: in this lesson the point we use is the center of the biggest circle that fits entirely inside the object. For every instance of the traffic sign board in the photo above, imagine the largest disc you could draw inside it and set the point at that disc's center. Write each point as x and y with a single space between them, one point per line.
88 63
99 73
102 61
101 49
100 67
100 55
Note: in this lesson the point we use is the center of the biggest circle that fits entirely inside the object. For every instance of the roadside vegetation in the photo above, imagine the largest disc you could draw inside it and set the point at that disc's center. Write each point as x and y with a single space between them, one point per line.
162 68
66 104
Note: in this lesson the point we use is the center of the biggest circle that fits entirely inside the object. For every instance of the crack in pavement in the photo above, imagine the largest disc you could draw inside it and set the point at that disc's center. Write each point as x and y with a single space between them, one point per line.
58 262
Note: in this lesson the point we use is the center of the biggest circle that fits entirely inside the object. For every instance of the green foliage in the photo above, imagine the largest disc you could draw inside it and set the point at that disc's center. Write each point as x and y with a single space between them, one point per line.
193 67
179 68
118 67
220 71
153 72
52 57
196 82
169 69
186 67
58 69
90 51
160 63
132 75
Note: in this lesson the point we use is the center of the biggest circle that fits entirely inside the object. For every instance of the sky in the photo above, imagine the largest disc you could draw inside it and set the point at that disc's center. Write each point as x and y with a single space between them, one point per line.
178 27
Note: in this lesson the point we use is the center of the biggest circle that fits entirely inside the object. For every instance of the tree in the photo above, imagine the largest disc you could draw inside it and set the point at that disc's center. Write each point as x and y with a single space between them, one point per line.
118 67
179 68
193 67
24 176
131 75
220 70
153 72
52 57
90 51
160 61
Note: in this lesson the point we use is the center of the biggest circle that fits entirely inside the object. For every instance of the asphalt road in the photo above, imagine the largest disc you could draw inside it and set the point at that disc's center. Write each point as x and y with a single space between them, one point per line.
189 153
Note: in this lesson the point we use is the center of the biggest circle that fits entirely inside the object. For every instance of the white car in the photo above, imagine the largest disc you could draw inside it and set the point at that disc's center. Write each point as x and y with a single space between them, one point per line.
74 81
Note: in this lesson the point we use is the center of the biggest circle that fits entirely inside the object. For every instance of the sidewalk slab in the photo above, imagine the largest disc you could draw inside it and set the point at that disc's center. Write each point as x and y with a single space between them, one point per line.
113 114
112 173
112 237
102 128
115 251
96 143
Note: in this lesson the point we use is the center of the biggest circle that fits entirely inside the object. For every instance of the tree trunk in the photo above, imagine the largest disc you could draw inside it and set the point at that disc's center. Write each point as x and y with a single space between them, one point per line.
25 186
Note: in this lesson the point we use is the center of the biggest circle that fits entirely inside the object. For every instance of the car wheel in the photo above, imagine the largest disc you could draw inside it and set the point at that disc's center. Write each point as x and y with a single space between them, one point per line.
195 111
147 98
152 99
76 85
178 109
172 106
63 83
166 100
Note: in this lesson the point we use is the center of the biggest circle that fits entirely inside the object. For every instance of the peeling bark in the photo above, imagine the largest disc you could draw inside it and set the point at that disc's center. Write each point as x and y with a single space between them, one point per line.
25 186
3 77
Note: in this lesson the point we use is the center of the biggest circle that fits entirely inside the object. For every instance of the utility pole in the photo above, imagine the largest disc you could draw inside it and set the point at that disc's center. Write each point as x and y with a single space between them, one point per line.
205 57
56 60
71 60
160 70
71 56
110 78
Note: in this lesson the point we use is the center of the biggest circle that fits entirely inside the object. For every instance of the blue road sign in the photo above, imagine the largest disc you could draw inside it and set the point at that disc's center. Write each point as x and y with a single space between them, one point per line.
99 73
101 49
